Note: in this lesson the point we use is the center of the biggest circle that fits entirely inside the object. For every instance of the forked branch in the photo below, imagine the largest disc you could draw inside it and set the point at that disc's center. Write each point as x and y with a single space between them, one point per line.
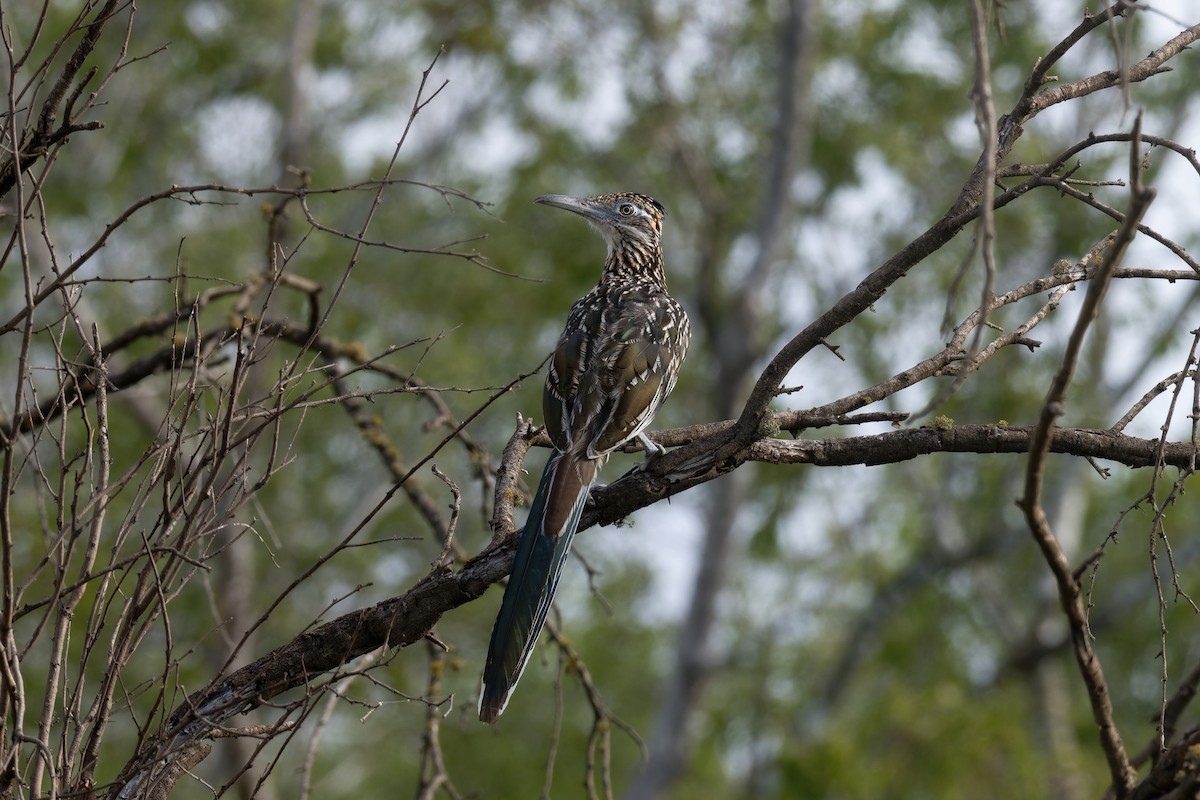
1124 777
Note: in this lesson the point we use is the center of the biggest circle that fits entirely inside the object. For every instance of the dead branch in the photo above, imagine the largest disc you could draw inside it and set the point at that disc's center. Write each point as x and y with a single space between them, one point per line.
1124 777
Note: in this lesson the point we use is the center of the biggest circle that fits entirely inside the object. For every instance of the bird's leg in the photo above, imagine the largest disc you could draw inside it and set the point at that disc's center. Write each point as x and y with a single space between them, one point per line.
653 450
653 453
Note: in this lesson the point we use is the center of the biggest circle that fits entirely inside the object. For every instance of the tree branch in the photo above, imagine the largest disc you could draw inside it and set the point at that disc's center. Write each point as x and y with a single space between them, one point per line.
1124 777
964 209
401 621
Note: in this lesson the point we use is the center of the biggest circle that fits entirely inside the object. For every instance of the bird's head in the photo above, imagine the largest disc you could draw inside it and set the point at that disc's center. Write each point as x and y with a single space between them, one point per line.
630 223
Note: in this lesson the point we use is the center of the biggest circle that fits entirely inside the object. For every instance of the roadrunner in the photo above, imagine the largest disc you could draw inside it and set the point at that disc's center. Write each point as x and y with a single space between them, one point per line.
615 363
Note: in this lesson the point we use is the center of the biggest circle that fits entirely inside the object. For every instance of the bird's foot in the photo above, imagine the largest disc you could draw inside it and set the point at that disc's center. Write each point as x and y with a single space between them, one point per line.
653 453
653 450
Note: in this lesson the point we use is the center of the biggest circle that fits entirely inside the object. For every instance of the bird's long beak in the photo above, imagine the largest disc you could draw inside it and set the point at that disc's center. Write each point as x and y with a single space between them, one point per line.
579 205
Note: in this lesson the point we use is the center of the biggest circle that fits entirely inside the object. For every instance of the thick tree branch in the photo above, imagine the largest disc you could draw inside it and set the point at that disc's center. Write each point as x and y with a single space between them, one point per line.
401 621
397 622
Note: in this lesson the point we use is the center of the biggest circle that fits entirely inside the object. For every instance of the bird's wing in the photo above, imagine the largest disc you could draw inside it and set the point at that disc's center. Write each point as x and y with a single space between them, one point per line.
614 364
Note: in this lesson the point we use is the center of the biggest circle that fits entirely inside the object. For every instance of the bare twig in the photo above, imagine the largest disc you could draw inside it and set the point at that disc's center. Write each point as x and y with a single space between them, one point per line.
985 121
1123 775
448 544
434 776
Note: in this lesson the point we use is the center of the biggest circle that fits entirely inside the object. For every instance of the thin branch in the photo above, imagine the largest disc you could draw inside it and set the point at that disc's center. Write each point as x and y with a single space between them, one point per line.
1124 777
965 208
434 776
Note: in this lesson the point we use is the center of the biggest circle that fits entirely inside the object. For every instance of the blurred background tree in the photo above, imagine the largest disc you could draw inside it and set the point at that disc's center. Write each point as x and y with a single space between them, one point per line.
882 631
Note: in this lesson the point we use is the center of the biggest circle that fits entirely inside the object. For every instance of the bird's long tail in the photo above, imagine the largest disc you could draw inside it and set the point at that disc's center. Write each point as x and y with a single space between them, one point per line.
541 553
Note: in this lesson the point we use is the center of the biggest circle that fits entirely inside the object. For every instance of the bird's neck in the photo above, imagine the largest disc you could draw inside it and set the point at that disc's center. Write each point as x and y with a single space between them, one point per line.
630 260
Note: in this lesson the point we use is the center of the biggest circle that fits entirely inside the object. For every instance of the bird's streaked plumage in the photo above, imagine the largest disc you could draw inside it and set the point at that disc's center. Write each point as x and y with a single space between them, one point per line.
615 362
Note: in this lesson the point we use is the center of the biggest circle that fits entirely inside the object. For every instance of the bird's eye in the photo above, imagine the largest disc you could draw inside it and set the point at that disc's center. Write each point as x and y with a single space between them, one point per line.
626 209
